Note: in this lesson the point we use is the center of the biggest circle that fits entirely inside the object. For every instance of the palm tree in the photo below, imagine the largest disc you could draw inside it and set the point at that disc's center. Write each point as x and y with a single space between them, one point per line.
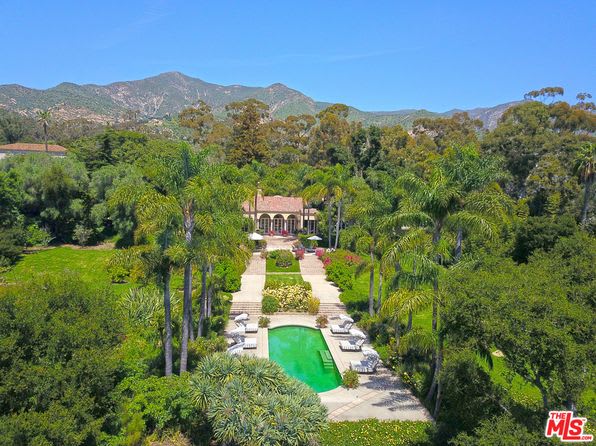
437 204
44 117
368 210
585 166
331 185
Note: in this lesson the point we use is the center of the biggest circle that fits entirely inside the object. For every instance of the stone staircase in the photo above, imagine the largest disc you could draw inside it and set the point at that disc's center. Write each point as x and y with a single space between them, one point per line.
329 309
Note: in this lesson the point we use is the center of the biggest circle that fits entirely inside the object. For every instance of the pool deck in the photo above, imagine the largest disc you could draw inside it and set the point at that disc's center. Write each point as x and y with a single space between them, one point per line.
380 395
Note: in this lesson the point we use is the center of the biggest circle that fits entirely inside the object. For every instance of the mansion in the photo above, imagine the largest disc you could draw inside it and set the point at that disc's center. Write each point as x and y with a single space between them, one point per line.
277 214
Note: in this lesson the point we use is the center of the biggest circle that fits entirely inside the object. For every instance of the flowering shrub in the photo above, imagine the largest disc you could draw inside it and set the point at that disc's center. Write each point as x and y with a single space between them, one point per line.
350 379
290 297
284 233
319 252
299 254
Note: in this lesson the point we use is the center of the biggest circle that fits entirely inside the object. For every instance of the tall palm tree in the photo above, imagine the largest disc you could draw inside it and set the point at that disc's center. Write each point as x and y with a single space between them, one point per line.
44 117
368 210
331 185
159 222
175 173
585 166
439 204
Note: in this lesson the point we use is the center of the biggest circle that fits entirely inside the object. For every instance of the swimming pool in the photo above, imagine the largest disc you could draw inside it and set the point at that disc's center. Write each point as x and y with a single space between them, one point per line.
302 352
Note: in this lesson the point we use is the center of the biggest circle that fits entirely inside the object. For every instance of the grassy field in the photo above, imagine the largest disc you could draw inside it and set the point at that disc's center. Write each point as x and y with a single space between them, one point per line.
88 264
273 268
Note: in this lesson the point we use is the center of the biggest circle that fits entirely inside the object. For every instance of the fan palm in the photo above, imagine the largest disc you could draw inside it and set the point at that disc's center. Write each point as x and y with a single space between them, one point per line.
44 117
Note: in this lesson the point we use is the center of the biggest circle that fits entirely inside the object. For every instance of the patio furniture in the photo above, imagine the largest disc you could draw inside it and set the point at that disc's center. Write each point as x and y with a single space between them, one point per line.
368 364
241 321
344 327
355 343
238 336
235 349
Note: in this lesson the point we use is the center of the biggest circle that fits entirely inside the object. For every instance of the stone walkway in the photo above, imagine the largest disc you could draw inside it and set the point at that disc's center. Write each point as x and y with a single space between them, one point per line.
380 395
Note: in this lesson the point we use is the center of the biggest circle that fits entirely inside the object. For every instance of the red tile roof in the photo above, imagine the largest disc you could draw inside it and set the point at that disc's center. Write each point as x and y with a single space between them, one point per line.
26 147
275 203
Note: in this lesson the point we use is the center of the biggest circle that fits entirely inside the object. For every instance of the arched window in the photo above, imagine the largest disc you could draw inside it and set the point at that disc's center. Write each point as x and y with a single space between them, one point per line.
265 223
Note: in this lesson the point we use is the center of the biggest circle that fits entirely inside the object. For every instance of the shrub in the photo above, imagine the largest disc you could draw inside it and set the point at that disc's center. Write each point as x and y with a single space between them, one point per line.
229 275
375 432
264 322
350 379
341 274
313 305
290 297
36 236
284 259
319 252
202 347
83 235
270 304
118 274
264 254
11 245
322 320
300 254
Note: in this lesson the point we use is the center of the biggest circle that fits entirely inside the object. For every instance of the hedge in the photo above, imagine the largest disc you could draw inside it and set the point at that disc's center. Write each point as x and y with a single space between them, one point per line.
373 432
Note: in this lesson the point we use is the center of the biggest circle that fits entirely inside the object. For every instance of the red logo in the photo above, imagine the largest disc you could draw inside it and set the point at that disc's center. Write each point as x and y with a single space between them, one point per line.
565 426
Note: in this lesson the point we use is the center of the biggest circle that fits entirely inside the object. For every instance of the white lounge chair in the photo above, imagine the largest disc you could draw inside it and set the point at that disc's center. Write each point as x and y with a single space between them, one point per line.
344 327
238 335
355 343
240 321
235 349
368 364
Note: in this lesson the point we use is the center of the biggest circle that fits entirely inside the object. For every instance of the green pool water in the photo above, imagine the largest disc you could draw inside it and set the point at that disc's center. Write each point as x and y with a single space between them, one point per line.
298 351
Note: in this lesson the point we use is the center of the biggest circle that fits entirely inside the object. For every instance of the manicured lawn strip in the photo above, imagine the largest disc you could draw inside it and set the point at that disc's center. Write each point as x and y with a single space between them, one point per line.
89 264
374 433
273 268
290 279
356 299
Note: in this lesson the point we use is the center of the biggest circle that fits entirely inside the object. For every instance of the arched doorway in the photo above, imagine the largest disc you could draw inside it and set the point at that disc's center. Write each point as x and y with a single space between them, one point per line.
278 223
265 223
291 224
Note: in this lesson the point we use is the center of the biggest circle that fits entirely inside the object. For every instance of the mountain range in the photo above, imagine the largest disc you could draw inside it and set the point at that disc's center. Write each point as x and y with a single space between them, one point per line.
168 93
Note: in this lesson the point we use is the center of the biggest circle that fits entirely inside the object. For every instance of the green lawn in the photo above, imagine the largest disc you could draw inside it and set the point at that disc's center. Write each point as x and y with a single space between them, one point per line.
273 268
89 264
373 432
290 279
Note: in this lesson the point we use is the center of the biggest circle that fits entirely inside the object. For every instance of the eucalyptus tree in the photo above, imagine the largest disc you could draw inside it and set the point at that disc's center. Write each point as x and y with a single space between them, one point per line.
585 166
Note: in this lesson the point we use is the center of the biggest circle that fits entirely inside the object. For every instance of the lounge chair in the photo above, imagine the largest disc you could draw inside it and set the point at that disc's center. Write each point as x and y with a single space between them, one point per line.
235 349
355 343
344 327
240 321
368 364
238 336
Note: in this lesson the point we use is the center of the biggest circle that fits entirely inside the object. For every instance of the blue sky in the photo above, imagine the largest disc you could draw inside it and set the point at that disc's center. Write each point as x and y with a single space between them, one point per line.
375 55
